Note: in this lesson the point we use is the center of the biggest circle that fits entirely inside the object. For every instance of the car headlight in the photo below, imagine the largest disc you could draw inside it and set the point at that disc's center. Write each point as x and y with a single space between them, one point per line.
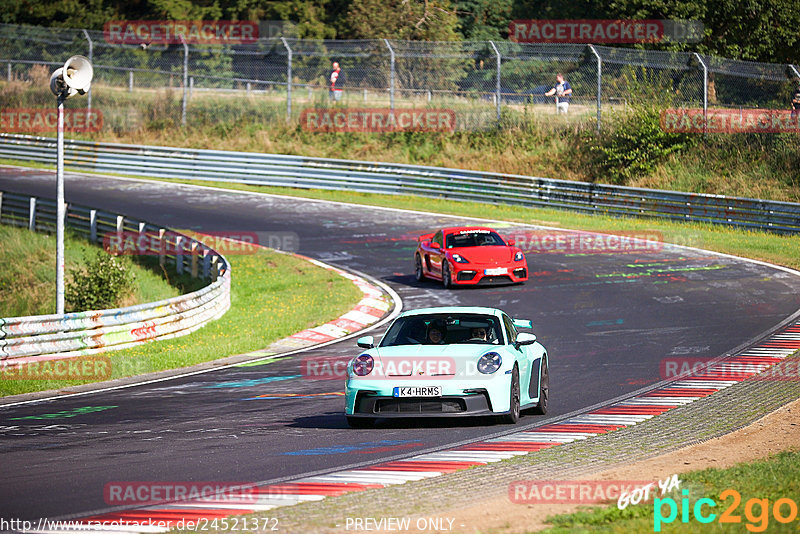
519 256
458 258
363 364
489 363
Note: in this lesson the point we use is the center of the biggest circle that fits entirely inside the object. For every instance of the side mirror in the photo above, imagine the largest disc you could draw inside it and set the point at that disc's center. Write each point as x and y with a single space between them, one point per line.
511 242
366 342
524 338
435 245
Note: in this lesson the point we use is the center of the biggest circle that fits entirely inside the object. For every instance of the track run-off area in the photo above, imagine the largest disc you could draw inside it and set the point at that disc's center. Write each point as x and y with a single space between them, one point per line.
612 322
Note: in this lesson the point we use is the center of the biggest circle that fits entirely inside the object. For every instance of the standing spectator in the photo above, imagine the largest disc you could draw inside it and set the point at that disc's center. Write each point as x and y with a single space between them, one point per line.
562 91
336 80
796 102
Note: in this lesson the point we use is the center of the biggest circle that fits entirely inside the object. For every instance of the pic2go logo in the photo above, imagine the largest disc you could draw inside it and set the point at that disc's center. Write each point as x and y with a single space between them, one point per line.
756 511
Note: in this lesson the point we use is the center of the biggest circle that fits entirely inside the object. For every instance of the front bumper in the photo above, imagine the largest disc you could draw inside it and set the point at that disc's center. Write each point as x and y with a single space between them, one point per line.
369 398
476 275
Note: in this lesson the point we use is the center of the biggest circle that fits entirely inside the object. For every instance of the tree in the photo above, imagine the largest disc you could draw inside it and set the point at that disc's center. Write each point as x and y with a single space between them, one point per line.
484 20
426 20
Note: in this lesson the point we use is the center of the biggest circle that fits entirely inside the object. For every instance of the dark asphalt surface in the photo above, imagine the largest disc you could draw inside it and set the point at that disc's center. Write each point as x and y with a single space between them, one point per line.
609 321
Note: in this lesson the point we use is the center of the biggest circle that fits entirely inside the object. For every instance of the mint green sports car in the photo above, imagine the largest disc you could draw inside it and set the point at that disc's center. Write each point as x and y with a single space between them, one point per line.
448 362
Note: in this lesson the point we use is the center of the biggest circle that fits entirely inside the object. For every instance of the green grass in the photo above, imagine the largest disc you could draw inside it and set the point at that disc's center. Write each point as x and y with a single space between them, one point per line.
28 278
777 477
273 295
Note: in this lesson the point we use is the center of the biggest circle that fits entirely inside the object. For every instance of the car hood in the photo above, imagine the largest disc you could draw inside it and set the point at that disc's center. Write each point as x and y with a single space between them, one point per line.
485 255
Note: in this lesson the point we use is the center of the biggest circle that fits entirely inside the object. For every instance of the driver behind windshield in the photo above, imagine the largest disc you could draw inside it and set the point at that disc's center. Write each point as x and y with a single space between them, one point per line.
478 334
436 333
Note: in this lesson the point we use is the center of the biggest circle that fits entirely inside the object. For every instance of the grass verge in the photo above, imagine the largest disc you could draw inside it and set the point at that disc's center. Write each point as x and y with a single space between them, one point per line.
28 277
273 295
748 493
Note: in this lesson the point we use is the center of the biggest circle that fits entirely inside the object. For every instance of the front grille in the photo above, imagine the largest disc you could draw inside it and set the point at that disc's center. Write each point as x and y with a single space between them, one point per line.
420 406
487 280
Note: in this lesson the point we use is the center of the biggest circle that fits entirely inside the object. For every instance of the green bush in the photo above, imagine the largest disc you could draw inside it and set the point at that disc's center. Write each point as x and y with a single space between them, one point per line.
636 145
102 284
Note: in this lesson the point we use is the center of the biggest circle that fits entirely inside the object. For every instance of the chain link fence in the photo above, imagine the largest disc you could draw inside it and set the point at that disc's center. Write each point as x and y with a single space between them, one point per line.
276 79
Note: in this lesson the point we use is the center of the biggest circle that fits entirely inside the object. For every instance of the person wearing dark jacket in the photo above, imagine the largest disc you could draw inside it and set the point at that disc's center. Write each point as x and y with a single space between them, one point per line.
336 81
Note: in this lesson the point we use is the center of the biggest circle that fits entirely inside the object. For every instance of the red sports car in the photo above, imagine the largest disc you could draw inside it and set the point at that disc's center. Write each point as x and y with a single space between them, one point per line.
469 255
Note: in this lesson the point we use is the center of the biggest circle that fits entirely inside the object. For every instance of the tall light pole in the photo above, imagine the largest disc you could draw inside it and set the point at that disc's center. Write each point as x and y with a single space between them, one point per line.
75 77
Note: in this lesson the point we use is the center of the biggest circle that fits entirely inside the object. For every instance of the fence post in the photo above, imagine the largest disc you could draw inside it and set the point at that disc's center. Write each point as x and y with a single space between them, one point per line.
9 71
91 53
599 82
185 80
705 90
93 226
497 89
193 258
179 254
206 263
288 80
120 227
162 247
391 74
130 81
32 214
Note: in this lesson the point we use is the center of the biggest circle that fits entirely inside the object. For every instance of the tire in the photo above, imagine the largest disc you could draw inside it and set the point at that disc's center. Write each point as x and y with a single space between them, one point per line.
360 422
447 279
514 411
544 390
419 274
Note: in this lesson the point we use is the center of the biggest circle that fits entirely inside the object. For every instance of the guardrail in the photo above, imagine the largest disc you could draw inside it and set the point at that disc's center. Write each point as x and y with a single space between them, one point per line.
43 337
392 178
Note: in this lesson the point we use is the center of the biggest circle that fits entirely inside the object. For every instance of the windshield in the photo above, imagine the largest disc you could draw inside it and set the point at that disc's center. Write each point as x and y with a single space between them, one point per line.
444 329
474 238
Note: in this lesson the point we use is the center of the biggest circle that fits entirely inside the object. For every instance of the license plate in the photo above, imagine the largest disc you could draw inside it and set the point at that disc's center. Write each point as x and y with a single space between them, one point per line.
498 270
418 391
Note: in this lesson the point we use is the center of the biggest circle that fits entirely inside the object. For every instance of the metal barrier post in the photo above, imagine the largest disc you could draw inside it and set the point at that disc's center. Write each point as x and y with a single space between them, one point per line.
185 80
206 263
599 80
32 214
130 81
179 255
162 247
93 226
497 88
193 258
391 74
91 53
705 90
288 80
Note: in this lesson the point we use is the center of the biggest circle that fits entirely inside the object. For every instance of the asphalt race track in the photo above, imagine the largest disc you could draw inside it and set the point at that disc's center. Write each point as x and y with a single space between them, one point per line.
609 322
